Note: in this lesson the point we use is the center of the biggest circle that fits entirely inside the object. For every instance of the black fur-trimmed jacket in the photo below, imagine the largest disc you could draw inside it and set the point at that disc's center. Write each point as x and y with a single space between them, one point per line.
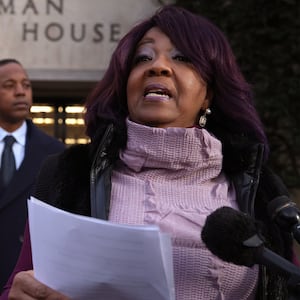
72 180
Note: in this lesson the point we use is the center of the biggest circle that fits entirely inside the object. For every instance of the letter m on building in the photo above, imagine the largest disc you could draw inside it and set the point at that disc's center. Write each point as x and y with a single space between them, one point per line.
7 7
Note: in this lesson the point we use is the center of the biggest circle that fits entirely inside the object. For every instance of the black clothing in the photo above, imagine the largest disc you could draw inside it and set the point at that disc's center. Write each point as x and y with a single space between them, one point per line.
13 197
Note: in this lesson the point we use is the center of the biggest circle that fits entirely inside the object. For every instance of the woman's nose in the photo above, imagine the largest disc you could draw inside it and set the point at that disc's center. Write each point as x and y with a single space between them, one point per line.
159 67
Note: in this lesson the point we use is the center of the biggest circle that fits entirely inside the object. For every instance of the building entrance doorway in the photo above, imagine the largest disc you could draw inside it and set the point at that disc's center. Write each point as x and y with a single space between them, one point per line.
65 122
58 109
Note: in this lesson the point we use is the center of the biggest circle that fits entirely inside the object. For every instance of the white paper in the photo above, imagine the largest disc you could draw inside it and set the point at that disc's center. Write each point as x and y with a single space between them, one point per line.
87 258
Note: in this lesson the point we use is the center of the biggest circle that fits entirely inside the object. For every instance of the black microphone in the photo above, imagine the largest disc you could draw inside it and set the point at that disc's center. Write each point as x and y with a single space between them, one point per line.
236 238
285 214
280 209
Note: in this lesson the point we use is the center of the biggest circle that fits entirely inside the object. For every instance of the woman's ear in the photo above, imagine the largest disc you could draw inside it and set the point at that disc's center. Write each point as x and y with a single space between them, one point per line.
208 98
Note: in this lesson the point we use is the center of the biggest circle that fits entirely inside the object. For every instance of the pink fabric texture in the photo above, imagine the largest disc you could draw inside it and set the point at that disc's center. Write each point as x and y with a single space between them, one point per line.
172 178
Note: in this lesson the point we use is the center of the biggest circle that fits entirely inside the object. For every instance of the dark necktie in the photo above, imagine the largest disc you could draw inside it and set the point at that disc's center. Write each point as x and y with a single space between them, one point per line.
8 164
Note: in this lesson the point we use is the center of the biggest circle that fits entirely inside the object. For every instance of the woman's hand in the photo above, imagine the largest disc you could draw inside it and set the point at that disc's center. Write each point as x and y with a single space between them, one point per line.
26 287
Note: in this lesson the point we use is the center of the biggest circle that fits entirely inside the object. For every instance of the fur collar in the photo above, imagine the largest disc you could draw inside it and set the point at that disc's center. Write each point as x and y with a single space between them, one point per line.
72 179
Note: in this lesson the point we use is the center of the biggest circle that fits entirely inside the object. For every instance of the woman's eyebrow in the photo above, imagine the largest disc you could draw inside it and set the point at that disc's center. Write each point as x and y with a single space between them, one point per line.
145 41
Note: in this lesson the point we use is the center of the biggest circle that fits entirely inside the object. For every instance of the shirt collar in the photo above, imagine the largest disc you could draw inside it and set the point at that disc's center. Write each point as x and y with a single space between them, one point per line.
19 134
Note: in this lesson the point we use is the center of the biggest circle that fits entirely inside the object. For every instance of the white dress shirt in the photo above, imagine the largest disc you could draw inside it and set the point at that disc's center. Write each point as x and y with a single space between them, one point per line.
18 146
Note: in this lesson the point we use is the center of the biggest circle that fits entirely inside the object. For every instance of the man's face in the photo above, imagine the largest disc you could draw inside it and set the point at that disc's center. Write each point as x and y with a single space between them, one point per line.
15 95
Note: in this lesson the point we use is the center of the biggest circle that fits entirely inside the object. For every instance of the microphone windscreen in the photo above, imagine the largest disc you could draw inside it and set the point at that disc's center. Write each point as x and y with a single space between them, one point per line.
224 232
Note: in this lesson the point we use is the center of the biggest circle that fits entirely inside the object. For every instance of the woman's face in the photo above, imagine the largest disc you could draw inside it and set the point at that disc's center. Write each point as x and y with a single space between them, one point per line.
164 88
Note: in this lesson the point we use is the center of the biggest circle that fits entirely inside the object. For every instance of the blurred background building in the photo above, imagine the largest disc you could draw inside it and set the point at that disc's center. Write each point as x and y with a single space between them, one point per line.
65 46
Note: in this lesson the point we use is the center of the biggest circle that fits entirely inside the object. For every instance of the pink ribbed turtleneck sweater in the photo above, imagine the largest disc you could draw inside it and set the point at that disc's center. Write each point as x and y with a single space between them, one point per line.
172 178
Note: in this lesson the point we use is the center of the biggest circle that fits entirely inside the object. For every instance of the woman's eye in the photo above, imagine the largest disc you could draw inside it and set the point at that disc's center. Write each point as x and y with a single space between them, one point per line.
141 58
182 58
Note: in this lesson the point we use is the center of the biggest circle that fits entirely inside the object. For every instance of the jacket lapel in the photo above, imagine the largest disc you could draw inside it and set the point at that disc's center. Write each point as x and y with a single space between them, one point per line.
23 180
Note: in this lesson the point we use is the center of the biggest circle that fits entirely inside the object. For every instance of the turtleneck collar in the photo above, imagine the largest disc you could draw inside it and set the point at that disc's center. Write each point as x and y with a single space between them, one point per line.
172 149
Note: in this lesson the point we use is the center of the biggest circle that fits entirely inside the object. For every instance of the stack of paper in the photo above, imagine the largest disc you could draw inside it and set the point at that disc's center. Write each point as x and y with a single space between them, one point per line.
86 258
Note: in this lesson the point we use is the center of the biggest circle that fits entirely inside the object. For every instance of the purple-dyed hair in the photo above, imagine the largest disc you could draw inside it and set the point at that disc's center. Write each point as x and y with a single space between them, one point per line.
206 46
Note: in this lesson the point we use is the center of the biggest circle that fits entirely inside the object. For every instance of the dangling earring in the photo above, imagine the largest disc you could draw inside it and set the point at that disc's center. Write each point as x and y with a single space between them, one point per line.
203 118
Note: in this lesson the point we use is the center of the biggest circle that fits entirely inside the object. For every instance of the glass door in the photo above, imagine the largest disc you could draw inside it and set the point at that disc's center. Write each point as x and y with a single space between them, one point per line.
65 122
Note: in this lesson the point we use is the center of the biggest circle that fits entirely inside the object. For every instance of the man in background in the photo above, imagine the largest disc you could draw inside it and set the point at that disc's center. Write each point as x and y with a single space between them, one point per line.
23 147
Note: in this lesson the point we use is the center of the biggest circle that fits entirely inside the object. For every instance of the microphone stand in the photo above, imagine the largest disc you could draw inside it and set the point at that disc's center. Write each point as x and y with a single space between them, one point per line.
277 263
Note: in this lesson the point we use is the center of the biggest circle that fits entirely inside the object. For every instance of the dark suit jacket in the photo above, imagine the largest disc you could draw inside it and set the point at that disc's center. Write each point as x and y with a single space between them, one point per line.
13 199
